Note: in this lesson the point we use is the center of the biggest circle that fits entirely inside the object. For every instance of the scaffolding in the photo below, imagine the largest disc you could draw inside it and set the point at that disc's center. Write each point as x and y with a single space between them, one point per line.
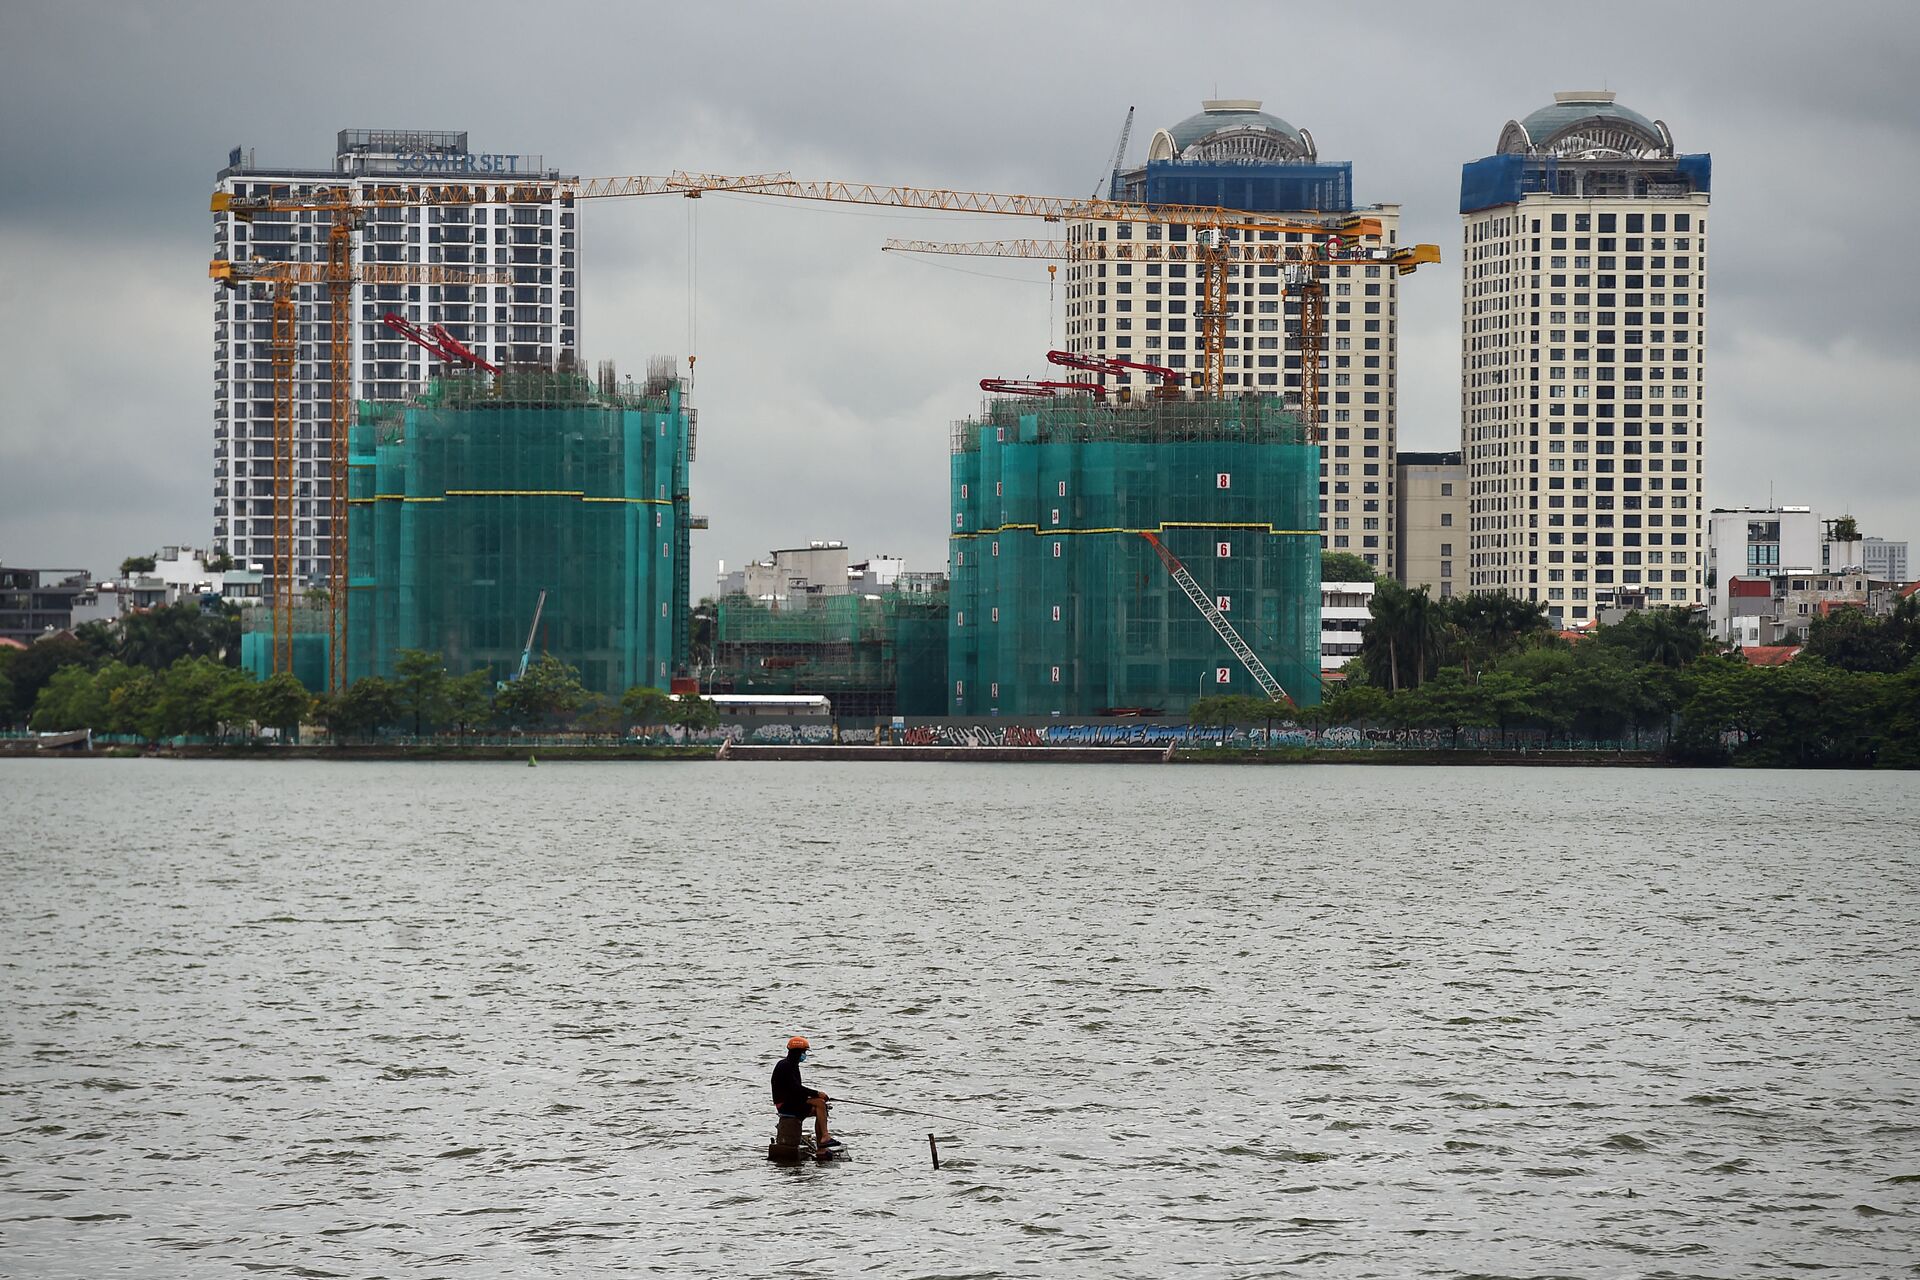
873 656
1061 604
471 500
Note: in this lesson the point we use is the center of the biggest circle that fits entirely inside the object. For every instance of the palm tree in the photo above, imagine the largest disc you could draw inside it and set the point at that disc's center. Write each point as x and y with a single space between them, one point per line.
1673 639
1492 625
1404 636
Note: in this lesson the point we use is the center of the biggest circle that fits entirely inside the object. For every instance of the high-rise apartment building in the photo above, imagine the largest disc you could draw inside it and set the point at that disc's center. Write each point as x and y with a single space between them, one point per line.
529 316
1235 155
1584 243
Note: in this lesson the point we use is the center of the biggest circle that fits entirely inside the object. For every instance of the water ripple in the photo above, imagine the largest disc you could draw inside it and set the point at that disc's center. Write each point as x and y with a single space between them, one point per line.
473 1020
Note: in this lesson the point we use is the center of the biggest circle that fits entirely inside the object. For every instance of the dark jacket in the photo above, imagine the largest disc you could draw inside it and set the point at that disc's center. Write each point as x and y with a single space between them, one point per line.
789 1094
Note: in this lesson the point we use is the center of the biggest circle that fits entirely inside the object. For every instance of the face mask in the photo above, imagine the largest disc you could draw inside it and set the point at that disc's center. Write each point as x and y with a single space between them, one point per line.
804 1055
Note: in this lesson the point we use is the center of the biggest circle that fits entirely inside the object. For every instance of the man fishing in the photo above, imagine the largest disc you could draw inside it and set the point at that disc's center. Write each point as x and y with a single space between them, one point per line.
794 1100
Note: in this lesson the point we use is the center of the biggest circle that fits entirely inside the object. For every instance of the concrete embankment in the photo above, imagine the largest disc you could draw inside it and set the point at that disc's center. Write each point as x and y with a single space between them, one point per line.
949 755
609 753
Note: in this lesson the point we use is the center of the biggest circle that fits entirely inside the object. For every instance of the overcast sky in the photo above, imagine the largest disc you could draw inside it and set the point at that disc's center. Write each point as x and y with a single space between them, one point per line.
829 372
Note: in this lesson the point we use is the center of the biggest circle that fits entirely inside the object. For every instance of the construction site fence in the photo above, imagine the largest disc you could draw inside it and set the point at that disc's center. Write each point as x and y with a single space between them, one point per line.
1131 731
945 731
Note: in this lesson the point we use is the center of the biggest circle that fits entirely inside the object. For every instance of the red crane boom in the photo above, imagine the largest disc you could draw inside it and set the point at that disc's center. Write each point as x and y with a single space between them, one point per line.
1100 364
438 341
1030 387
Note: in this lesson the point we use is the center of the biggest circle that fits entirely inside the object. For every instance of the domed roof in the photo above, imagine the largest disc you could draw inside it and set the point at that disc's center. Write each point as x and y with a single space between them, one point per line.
1586 124
1231 129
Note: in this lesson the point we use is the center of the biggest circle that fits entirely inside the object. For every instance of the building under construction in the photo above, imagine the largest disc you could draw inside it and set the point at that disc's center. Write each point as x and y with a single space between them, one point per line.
1131 556
488 500
872 655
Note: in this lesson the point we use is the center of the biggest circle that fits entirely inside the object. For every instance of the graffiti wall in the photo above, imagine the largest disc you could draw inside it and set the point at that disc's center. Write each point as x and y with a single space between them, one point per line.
1154 733
946 732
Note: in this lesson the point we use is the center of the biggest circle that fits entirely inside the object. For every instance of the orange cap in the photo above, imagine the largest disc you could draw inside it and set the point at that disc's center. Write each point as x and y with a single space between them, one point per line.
798 1042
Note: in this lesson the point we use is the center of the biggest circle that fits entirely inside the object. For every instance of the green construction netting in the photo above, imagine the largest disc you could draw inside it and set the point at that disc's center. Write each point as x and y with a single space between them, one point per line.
871 655
469 503
309 644
1061 606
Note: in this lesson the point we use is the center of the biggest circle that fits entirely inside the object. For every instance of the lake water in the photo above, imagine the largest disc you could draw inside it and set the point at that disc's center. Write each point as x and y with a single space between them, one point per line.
330 1019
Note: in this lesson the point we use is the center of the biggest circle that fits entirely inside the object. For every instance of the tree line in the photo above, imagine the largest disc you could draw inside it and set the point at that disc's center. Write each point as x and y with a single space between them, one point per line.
1483 663
144 644
1652 680
424 698
170 672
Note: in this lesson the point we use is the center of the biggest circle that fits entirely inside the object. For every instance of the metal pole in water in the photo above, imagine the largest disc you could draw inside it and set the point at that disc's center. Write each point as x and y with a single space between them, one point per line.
934 1147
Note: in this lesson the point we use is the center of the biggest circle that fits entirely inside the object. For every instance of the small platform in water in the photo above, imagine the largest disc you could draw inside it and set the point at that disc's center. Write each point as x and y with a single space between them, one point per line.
804 1153
790 1146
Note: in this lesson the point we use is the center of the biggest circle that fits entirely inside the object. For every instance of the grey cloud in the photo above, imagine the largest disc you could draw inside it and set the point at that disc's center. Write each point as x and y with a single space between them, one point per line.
829 373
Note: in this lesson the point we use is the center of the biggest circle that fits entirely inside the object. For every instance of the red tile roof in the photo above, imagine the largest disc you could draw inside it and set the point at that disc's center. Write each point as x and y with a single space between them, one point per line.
1770 655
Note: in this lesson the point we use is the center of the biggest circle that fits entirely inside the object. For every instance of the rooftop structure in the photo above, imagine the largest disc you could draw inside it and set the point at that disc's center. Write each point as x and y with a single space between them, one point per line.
1233 154
1584 144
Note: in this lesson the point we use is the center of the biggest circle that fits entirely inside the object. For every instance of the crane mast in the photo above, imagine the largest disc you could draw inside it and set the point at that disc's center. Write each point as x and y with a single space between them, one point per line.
338 273
1119 153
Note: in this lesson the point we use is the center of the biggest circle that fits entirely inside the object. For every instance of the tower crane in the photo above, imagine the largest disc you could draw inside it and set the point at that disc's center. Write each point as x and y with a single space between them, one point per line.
345 207
1119 154
1303 278
280 279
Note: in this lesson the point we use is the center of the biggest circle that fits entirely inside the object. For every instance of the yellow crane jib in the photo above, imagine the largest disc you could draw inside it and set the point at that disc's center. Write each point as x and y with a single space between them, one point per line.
347 202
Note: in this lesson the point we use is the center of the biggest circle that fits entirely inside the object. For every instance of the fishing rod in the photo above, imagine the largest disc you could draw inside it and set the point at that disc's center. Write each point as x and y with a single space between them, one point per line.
908 1111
